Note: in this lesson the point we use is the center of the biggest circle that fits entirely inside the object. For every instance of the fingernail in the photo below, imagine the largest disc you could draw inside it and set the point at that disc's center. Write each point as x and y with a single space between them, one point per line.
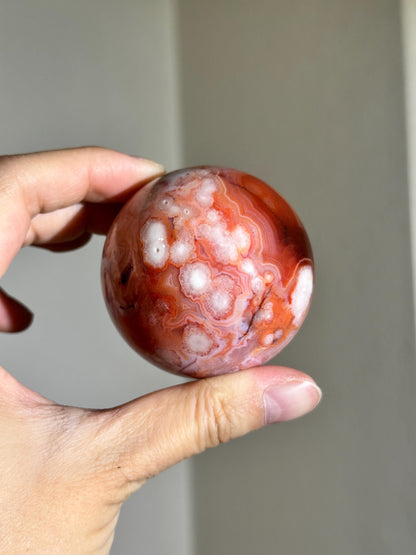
290 400
151 168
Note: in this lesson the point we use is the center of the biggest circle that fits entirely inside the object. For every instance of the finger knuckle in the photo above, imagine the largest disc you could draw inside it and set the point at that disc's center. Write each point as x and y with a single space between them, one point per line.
215 418
7 173
15 180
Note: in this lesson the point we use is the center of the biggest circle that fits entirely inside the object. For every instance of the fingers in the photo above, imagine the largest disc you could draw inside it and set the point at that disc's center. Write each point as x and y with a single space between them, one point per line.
52 180
14 316
65 226
165 427
43 183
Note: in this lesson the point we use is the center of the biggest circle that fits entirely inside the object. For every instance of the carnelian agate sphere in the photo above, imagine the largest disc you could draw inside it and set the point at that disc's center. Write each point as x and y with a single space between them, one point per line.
206 271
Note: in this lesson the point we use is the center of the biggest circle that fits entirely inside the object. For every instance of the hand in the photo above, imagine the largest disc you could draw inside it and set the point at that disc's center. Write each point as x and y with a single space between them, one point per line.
65 471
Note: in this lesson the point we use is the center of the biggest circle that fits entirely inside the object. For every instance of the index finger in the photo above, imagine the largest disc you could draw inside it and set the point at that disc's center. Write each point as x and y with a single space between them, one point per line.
32 184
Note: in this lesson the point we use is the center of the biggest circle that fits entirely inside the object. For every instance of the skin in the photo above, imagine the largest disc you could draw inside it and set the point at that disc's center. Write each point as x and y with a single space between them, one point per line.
65 471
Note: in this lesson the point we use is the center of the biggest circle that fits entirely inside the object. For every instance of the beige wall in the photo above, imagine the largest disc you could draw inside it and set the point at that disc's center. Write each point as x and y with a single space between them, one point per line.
408 13
309 96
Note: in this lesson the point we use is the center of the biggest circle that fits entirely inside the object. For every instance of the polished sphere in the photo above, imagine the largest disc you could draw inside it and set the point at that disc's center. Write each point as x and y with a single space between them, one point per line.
206 271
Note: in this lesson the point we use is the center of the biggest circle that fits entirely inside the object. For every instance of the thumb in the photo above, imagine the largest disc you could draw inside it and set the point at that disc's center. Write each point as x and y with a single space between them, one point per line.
158 430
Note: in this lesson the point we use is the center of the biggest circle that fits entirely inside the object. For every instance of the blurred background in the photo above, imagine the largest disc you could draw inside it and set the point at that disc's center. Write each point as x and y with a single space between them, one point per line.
308 95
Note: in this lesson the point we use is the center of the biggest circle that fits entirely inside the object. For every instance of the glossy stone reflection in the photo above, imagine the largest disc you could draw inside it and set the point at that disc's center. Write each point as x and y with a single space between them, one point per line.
206 271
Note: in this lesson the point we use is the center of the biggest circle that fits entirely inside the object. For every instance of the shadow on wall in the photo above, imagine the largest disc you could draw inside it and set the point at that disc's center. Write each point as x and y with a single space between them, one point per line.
309 97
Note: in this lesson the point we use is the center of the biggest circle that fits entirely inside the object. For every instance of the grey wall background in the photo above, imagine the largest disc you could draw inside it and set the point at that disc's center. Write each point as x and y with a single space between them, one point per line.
307 95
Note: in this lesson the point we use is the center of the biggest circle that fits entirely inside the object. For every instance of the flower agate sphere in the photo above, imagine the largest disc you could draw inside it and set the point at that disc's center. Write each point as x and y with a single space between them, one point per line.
206 271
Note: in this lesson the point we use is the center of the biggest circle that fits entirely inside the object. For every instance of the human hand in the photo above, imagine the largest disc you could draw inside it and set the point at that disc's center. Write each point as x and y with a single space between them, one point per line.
66 471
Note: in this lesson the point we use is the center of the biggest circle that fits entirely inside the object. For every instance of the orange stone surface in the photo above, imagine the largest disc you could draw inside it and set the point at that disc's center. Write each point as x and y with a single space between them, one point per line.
206 271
